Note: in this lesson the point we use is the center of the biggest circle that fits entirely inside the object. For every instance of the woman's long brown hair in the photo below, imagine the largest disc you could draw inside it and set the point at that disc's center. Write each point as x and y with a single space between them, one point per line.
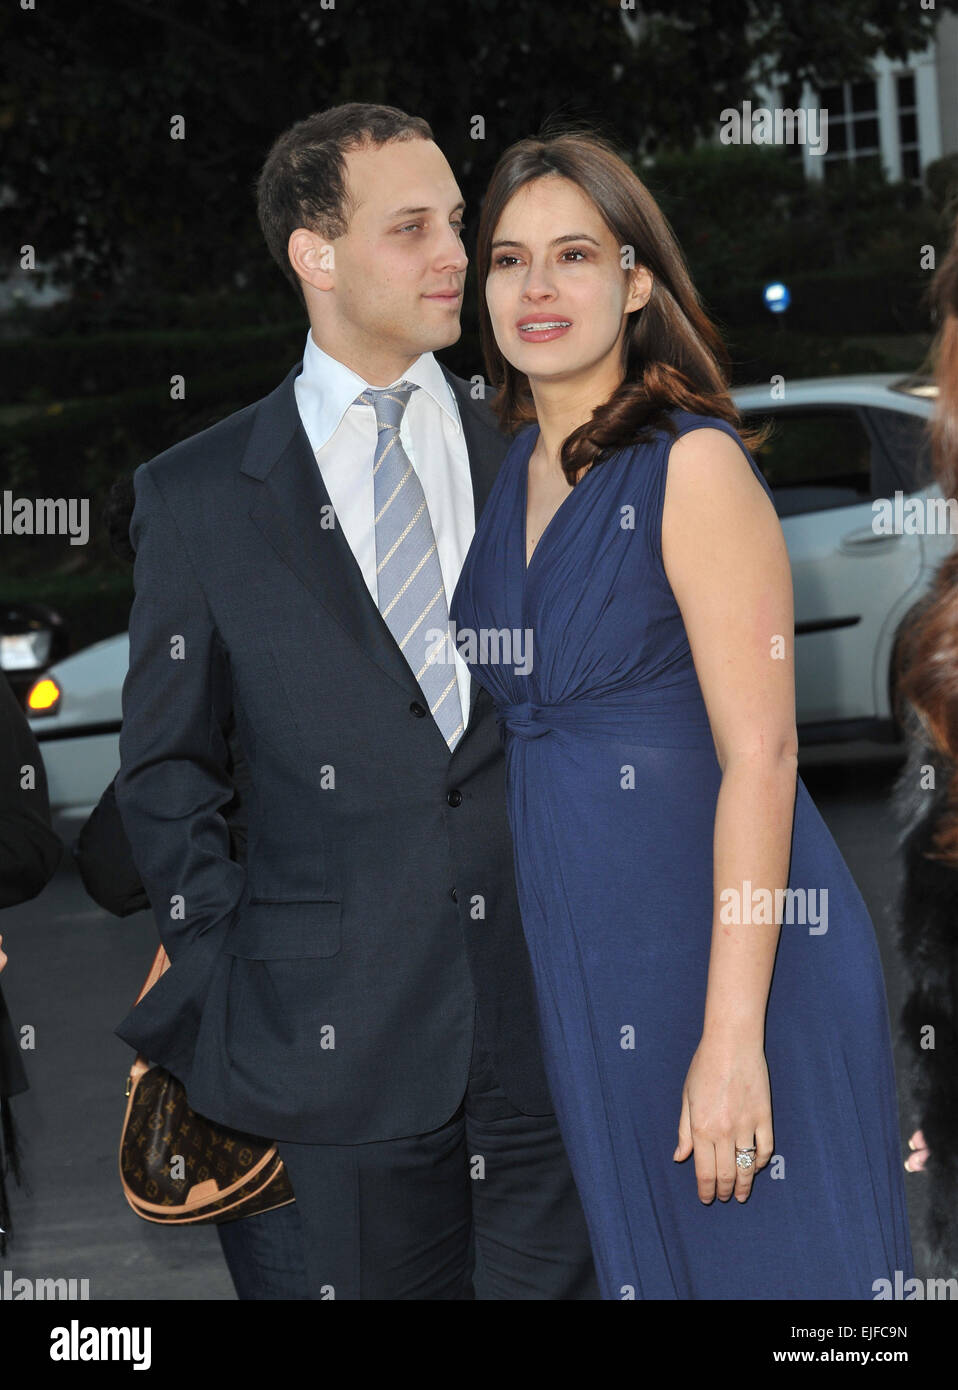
927 659
673 353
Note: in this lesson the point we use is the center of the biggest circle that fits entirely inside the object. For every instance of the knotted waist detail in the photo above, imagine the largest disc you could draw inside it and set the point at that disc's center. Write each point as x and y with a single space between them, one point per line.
661 715
526 719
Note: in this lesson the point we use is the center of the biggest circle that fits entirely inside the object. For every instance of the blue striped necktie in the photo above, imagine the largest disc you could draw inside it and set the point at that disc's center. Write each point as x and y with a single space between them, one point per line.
410 589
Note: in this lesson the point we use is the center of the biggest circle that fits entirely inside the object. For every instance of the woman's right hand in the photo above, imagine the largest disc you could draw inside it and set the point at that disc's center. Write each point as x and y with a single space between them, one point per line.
3 954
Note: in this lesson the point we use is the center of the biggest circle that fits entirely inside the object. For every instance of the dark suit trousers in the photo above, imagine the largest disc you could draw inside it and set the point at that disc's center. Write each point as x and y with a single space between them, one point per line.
403 1218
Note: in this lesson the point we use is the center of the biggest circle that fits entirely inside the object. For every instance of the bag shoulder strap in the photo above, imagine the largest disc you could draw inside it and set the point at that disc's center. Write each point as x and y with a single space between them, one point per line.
161 963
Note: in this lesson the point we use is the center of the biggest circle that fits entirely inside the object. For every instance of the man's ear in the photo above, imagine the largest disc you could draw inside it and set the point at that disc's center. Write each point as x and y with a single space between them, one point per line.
312 257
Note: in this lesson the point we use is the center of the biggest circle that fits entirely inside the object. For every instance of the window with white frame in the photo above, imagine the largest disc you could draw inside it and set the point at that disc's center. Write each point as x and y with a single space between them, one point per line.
853 136
906 101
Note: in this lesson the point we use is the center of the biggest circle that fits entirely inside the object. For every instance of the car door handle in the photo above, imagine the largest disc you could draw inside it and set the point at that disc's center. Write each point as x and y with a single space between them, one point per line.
865 540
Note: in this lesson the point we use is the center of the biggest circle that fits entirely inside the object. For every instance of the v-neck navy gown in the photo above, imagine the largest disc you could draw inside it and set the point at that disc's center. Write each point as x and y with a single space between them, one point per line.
612 781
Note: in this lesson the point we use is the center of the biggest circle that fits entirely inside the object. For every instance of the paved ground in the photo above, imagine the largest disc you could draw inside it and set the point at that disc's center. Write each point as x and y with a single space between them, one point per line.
75 970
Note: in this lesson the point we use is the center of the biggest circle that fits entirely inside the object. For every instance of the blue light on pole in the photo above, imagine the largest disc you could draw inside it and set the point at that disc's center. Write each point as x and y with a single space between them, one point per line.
777 297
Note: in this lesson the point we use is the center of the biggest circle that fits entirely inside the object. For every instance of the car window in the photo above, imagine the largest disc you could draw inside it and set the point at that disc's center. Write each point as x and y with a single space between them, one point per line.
816 459
906 441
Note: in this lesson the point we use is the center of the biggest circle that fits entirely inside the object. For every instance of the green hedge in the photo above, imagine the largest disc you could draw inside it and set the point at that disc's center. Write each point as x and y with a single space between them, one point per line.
832 303
761 353
87 443
111 364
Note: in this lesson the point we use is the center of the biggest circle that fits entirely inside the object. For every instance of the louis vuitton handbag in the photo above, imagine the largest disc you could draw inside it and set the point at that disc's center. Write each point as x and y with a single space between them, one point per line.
177 1167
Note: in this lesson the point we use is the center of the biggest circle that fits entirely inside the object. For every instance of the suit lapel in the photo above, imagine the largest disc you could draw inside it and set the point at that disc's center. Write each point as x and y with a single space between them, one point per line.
290 506
486 448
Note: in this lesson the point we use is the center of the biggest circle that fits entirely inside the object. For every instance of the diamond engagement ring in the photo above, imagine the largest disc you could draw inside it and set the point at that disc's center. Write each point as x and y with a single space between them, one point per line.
743 1157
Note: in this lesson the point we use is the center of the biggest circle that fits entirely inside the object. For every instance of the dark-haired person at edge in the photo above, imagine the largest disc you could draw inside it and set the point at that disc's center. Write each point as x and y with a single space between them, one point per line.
926 798
712 1008
359 989
30 851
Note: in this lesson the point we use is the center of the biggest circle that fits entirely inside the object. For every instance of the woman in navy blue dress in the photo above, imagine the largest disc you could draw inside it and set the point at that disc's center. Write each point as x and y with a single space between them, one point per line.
711 1003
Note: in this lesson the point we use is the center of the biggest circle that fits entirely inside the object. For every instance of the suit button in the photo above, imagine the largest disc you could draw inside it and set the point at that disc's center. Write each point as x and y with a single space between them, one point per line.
417 709
455 896
454 797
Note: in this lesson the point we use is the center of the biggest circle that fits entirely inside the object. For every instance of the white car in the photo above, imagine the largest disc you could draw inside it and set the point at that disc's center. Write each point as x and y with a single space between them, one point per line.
849 454
841 444
77 724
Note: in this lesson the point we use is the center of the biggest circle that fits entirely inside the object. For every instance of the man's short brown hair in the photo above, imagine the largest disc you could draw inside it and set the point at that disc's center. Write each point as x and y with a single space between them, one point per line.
303 182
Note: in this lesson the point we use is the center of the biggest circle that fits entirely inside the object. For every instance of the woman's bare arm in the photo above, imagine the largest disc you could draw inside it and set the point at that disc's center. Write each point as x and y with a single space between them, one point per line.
725 557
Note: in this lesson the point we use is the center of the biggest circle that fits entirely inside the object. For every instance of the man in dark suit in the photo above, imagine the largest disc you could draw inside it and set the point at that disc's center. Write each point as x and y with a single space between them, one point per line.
359 990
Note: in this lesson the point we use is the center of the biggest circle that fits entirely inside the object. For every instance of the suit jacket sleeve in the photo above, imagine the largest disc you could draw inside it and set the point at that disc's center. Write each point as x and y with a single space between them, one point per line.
174 759
105 862
29 849
102 850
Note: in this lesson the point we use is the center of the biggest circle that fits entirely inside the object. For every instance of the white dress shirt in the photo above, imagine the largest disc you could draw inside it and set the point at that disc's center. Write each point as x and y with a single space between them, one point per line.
343 436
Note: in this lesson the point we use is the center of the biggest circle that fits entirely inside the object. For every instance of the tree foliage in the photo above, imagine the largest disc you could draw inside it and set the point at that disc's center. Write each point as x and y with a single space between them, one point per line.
93 180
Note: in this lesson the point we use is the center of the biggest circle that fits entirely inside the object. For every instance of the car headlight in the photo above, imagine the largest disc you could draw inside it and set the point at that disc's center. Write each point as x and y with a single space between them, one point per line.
25 651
